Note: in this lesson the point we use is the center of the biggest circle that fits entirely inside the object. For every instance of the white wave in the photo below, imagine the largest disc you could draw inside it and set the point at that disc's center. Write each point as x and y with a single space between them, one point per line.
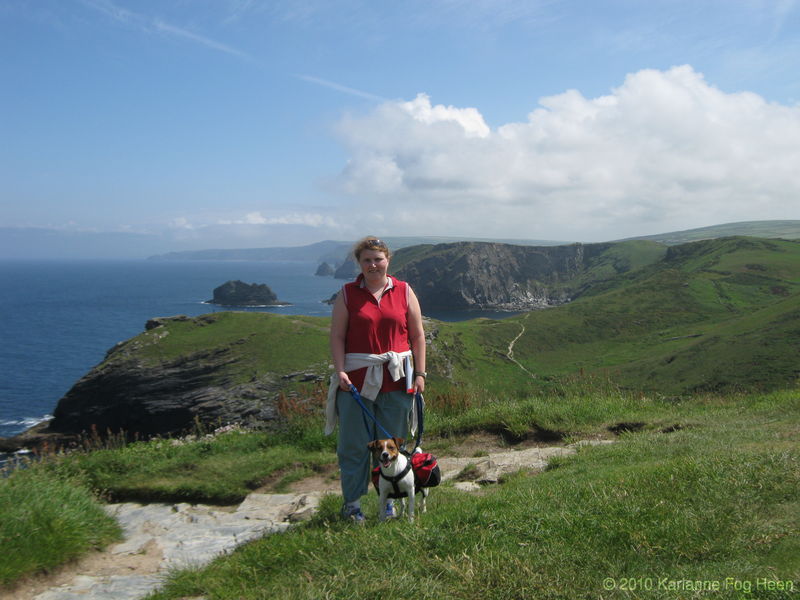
25 421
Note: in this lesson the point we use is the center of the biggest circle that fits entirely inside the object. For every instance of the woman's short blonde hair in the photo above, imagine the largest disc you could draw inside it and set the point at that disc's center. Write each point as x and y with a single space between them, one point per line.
370 243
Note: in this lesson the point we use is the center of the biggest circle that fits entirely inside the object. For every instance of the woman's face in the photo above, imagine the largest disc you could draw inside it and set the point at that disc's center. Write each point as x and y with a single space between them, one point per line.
373 263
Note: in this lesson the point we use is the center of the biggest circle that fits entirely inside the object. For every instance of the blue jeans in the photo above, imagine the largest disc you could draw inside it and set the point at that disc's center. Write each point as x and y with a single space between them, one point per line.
391 409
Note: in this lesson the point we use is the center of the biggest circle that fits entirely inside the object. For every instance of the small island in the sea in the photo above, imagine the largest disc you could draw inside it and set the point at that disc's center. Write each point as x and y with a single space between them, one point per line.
239 293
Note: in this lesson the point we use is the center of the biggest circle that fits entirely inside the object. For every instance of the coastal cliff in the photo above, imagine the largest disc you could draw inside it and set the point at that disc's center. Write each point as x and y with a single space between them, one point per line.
507 277
183 372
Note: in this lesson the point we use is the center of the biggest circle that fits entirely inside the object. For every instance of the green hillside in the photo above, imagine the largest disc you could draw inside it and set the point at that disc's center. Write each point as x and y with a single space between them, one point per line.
711 315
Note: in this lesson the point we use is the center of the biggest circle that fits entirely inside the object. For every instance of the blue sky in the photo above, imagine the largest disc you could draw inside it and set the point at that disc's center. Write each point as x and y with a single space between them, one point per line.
242 123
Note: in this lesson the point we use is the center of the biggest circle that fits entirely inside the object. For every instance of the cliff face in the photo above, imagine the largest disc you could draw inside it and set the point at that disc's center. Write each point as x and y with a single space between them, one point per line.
143 388
502 276
158 401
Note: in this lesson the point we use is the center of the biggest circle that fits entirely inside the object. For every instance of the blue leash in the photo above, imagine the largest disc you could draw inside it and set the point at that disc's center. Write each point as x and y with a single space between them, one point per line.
366 413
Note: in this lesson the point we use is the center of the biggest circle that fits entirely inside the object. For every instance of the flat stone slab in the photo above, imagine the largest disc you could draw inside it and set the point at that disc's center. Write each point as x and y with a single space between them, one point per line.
182 536
490 469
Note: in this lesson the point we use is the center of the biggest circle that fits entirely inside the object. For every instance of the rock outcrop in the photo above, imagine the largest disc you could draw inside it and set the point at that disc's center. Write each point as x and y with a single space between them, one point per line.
347 270
179 376
325 270
125 394
238 293
500 276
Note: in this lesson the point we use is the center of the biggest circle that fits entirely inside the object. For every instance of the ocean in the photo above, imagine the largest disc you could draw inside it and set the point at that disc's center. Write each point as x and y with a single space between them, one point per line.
58 319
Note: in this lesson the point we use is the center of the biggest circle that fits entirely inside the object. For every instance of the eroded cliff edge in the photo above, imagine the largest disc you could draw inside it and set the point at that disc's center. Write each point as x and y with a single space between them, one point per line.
487 275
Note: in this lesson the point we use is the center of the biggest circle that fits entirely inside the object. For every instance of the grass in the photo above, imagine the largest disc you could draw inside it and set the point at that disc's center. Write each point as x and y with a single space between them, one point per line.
259 343
715 501
715 497
220 469
46 521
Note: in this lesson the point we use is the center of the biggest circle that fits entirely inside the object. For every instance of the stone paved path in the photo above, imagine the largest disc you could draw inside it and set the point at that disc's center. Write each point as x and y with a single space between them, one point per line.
162 537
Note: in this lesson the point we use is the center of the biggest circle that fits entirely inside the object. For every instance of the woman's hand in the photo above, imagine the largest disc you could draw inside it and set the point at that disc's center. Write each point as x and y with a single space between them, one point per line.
419 384
344 381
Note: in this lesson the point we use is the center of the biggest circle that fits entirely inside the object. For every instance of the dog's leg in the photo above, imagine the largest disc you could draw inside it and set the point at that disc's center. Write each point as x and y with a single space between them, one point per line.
411 505
383 497
422 503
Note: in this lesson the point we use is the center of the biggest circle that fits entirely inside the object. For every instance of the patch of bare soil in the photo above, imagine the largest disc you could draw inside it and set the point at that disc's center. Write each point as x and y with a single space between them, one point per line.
480 444
325 479
316 483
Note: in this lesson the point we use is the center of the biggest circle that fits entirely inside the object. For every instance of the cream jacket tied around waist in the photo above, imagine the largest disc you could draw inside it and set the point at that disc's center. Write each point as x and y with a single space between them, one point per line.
372 382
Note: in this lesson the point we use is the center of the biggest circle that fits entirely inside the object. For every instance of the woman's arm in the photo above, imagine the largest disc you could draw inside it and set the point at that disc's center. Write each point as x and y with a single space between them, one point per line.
339 320
416 337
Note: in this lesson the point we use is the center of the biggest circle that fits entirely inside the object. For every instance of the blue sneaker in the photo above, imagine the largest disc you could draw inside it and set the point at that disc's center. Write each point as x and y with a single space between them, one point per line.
391 513
353 514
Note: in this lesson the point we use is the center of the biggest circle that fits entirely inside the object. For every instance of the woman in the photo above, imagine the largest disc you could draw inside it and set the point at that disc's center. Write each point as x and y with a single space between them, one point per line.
376 323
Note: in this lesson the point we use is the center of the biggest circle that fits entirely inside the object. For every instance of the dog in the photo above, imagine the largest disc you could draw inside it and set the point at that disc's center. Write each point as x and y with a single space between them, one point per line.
396 476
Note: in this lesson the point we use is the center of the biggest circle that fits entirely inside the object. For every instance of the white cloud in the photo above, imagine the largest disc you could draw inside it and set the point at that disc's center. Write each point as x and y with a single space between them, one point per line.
469 119
257 218
665 150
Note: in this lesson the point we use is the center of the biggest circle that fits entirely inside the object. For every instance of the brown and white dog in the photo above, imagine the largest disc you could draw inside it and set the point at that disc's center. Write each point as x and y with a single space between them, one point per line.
396 476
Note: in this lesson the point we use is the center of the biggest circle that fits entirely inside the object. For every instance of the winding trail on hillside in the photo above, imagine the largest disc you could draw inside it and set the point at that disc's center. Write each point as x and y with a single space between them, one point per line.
510 353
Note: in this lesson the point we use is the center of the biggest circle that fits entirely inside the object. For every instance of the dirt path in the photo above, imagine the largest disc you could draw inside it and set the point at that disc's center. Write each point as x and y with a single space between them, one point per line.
510 352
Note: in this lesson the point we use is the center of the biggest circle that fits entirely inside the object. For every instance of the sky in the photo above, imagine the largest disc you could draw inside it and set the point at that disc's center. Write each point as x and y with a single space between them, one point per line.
252 123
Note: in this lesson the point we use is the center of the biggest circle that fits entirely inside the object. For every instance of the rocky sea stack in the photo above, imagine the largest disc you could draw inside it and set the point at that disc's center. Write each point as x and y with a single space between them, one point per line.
238 293
325 270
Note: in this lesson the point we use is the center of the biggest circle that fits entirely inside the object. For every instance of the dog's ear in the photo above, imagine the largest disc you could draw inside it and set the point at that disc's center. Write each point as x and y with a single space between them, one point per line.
372 445
399 441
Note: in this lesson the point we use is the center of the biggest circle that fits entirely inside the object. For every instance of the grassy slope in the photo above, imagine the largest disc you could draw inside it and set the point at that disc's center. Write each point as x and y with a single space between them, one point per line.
713 500
713 315
47 520
260 344
212 470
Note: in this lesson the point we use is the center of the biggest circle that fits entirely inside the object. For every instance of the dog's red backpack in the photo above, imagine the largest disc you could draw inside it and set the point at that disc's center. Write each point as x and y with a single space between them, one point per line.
426 470
426 473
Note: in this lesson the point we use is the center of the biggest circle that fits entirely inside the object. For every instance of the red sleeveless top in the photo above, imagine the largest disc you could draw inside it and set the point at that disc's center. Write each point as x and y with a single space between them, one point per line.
376 326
